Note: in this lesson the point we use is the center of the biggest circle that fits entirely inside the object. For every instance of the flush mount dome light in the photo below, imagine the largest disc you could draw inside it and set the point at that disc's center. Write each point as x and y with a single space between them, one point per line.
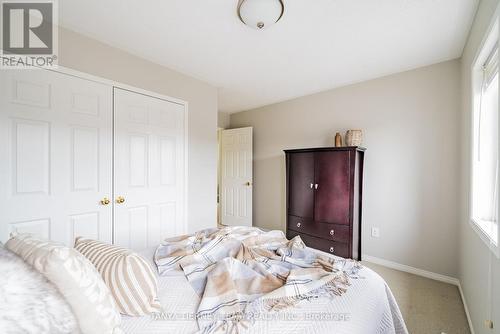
260 14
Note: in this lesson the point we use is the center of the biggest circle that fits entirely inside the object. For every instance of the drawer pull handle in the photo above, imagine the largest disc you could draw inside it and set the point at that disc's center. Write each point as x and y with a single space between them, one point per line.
298 224
331 250
311 186
332 232
316 186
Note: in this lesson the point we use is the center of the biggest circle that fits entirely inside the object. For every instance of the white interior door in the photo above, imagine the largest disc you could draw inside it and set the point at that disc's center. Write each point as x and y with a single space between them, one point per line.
236 177
56 156
148 169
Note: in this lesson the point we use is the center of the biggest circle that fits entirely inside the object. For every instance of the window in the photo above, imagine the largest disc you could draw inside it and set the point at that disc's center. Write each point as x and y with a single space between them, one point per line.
484 201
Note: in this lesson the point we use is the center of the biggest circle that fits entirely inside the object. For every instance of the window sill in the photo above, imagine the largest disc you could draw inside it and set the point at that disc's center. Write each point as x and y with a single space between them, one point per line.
485 237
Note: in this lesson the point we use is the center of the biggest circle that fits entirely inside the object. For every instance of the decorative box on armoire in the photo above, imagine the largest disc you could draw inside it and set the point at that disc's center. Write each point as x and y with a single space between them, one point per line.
323 194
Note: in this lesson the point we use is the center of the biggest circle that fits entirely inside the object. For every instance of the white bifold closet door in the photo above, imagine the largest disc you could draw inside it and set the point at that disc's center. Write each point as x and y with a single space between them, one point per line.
149 149
55 156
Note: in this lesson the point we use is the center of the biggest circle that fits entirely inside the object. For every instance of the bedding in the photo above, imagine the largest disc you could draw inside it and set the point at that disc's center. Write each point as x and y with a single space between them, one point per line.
75 278
366 305
242 271
320 293
131 279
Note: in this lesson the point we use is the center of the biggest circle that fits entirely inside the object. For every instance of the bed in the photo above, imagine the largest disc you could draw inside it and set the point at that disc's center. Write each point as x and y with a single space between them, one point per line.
215 281
368 306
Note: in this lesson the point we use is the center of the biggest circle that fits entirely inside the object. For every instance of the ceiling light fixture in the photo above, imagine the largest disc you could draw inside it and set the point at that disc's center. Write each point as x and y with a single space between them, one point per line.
260 14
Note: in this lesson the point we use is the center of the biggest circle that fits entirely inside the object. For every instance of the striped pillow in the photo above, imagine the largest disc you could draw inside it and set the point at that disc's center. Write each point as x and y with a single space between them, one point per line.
130 278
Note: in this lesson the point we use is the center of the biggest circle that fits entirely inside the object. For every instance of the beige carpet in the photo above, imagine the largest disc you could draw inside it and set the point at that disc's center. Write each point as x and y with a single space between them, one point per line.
428 306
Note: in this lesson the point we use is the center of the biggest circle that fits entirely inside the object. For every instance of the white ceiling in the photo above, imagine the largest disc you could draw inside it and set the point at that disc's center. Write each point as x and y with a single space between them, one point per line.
318 44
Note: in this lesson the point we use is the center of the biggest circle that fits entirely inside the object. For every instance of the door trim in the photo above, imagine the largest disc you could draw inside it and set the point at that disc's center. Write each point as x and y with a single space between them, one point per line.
115 84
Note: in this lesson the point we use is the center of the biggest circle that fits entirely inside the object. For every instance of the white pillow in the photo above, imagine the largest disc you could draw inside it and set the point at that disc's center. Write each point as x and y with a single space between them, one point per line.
75 278
29 303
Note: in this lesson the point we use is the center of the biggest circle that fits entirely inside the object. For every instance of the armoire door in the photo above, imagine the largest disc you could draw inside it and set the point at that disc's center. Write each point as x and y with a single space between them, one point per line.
149 169
301 185
332 176
56 156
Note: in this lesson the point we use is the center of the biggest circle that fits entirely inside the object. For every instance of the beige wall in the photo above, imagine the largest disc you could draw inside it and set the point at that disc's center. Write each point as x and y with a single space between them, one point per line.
87 55
474 257
411 126
223 120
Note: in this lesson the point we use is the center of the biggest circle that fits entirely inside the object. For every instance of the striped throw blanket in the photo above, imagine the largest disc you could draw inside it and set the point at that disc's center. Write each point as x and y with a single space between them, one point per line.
240 272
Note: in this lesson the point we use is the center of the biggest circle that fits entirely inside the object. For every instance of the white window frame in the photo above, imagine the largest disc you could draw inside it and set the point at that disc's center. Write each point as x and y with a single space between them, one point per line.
490 40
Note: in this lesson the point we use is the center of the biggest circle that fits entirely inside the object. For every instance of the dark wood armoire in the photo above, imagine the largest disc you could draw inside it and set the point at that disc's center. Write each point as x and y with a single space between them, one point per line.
324 192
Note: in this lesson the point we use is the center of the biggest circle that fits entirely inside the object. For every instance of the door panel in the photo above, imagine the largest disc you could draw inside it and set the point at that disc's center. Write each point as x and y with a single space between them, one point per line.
31 158
56 148
332 177
236 177
87 224
149 169
85 158
301 191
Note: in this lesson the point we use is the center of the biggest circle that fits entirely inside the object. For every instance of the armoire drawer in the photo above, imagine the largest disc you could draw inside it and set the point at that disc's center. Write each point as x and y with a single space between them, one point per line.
333 232
336 248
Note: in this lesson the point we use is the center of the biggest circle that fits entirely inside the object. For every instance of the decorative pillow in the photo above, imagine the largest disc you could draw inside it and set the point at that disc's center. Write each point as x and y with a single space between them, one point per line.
75 278
29 303
130 278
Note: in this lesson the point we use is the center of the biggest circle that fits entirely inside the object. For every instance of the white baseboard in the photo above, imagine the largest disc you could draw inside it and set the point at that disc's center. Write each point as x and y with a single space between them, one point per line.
423 273
469 320
411 270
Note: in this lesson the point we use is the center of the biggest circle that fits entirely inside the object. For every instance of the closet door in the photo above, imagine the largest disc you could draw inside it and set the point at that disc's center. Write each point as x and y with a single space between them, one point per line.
332 175
148 170
55 153
301 185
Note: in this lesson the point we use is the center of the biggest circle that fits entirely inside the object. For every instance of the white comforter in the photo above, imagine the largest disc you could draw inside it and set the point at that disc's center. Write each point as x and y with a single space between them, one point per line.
367 307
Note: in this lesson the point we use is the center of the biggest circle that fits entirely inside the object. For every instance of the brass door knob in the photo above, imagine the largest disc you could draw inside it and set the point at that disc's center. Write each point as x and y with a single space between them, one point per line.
105 201
120 200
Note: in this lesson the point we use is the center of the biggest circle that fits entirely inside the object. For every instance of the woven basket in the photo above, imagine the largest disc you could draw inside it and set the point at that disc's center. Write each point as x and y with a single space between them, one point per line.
354 138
